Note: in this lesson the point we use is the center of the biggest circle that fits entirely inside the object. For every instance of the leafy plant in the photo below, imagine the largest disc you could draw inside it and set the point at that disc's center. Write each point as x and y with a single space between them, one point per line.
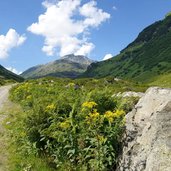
72 127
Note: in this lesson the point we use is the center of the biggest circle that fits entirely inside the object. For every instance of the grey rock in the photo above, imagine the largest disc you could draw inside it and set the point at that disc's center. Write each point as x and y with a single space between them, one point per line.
147 144
130 94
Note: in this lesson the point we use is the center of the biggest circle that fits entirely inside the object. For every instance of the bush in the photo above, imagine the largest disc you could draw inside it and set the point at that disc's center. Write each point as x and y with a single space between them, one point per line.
75 129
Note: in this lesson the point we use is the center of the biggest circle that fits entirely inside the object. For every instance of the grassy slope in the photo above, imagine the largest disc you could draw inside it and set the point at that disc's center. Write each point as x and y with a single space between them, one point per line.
162 81
144 59
8 77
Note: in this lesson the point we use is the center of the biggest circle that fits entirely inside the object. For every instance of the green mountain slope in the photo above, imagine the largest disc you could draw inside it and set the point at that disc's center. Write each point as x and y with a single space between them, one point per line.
142 60
69 66
7 76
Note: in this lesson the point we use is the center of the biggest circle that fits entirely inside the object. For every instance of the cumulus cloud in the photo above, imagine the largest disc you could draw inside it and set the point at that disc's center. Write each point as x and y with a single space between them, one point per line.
94 16
107 56
65 25
14 70
11 40
85 49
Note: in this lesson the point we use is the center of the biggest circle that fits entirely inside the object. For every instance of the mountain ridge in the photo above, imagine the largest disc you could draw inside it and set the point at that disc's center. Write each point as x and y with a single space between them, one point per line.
8 76
148 56
70 66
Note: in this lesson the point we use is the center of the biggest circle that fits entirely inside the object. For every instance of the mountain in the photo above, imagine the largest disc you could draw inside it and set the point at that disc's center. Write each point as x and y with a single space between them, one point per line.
8 76
69 66
147 57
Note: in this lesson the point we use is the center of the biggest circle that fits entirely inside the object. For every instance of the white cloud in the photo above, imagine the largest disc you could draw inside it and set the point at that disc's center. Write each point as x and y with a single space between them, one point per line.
11 40
94 16
65 25
107 56
13 70
85 49
114 8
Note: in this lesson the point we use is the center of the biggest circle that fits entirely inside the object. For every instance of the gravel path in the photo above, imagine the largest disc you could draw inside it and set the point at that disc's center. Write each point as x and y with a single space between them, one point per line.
4 95
4 91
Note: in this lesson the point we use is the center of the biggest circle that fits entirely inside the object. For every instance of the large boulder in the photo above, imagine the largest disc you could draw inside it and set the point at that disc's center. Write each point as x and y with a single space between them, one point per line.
147 144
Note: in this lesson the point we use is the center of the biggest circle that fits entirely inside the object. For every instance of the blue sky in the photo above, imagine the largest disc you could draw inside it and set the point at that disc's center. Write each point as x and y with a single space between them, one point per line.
109 26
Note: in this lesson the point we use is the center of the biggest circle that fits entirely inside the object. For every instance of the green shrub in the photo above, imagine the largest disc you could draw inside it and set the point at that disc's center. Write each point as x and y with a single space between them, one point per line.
70 128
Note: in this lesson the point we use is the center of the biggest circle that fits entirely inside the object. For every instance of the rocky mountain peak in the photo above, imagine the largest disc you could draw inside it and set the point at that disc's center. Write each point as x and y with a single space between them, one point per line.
77 59
70 66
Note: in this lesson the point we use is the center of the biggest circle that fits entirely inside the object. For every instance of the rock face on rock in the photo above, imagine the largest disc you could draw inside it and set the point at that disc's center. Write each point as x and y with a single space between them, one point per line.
130 94
148 133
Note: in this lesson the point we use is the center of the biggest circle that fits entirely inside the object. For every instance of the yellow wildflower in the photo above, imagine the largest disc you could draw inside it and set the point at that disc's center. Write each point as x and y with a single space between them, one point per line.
101 139
50 107
119 113
109 116
94 114
89 105
93 117
65 124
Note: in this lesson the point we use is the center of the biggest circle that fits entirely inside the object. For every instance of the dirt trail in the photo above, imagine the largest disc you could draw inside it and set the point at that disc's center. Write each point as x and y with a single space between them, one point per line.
4 92
4 95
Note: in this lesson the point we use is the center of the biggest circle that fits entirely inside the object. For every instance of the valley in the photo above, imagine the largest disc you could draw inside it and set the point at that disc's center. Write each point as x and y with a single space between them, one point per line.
77 114
7 77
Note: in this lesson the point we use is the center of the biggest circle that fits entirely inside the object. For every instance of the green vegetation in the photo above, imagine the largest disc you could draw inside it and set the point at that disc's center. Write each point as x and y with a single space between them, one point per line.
162 81
69 66
69 124
14 161
7 77
148 57
168 14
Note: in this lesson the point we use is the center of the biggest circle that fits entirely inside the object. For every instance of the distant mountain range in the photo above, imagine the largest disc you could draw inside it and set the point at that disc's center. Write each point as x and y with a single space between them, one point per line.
70 66
8 76
147 57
